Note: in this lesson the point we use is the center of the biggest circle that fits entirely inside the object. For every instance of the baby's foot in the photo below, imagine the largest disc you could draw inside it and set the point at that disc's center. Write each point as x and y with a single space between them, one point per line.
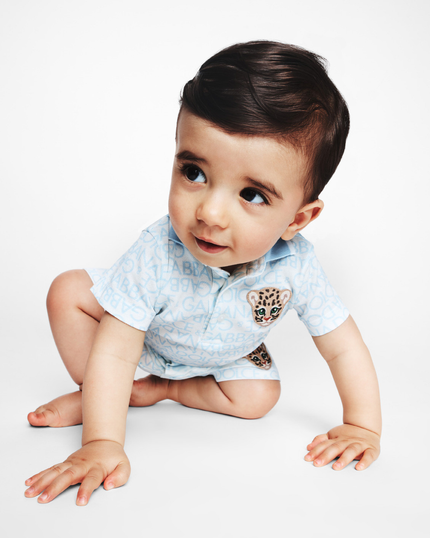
63 411
148 391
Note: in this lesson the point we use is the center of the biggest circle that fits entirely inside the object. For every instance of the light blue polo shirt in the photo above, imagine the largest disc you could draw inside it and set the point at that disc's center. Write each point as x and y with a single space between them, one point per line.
200 320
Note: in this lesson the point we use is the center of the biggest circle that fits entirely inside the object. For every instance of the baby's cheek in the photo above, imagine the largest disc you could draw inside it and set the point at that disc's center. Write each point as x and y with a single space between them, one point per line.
256 246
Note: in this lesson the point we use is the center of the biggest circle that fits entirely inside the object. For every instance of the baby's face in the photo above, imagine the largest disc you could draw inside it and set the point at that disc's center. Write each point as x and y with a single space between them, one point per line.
232 196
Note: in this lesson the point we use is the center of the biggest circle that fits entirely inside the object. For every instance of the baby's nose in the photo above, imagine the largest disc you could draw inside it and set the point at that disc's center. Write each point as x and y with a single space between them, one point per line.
213 210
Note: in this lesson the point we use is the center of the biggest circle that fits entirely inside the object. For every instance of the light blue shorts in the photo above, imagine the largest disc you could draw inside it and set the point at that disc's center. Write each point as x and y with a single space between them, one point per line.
255 365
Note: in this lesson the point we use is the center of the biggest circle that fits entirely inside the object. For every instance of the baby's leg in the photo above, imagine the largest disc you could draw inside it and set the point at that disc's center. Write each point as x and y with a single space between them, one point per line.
245 398
74 315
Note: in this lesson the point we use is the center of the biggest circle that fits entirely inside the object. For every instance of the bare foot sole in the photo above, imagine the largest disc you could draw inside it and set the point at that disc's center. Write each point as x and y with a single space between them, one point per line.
148 391
63 411
67 409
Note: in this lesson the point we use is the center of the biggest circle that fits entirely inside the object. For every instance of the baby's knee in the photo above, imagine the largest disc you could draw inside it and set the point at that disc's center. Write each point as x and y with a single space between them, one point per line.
265 398
65 290
255 398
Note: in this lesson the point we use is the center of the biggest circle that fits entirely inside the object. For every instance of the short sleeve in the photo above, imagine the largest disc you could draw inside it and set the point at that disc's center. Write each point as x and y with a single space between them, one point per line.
129 290
316 302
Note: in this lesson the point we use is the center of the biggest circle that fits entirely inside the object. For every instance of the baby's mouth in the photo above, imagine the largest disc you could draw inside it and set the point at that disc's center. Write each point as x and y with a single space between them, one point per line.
207 246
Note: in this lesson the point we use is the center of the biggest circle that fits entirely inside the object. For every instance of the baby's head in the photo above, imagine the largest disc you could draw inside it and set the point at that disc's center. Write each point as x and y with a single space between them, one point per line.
265 88
260 132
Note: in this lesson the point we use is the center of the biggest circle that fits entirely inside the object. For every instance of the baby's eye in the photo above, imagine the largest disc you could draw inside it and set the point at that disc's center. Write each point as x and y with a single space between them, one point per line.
193 173
274 310
253 196
261 312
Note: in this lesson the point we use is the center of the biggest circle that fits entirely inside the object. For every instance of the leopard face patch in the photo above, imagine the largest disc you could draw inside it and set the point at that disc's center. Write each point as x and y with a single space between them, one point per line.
260 358
267 304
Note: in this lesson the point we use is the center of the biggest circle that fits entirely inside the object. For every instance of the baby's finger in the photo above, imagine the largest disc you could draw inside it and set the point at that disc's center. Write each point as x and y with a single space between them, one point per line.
35 477
58 468
369 456
118 477
318 439
41 480
91 482
318 449
352 452
330 453
71 476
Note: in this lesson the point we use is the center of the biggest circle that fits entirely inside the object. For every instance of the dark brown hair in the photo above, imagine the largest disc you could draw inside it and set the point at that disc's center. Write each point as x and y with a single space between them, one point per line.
265 88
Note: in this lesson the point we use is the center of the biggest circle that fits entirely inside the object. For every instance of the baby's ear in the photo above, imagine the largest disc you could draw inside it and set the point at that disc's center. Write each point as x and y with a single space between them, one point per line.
304 216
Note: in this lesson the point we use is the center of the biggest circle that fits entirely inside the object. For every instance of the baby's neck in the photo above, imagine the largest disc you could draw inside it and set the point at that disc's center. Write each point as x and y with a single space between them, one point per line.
230 269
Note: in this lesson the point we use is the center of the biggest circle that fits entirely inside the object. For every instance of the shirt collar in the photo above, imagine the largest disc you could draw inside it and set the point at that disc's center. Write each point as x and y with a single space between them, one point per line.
279 250
173 236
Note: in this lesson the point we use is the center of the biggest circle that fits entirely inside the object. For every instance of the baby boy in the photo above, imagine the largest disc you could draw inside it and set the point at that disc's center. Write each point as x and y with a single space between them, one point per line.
261 130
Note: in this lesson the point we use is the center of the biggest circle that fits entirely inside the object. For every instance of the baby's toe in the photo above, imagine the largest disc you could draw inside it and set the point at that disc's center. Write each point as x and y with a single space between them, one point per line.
42 417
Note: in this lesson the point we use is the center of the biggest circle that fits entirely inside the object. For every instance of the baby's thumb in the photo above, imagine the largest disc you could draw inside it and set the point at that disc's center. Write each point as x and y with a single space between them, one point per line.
118 477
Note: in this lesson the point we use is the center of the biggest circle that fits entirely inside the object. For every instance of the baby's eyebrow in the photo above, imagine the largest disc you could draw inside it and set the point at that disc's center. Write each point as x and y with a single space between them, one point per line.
189 156
266 186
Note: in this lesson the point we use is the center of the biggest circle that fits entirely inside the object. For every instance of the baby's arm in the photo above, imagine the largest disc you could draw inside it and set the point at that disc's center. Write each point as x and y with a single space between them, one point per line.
354 374
106 394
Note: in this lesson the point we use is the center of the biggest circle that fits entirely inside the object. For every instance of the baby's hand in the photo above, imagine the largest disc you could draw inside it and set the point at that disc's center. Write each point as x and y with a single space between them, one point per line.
346 442
94 463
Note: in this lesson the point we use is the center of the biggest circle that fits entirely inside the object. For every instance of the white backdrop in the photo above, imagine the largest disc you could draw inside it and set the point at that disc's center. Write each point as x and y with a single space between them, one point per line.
88 102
